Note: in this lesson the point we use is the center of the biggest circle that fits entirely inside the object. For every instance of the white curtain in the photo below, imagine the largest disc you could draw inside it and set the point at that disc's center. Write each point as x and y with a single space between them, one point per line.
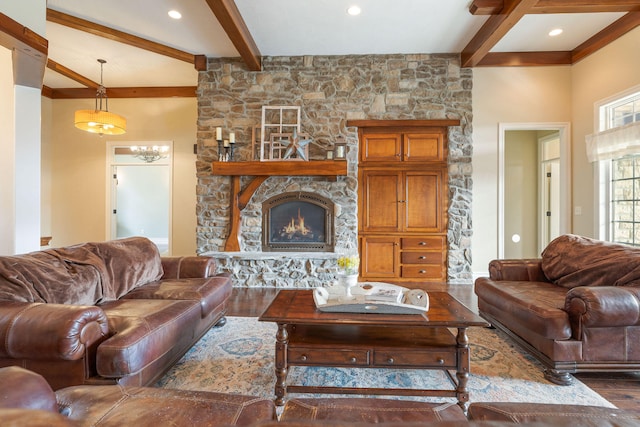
614 143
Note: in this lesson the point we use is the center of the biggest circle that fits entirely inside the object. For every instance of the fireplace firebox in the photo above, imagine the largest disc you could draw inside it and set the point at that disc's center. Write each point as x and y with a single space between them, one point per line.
297 222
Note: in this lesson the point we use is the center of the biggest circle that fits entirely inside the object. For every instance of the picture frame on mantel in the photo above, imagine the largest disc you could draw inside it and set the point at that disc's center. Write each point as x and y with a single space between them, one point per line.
280 119
340 149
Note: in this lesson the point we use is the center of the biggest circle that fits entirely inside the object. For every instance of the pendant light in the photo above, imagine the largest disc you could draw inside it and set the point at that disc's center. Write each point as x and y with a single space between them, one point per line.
101 121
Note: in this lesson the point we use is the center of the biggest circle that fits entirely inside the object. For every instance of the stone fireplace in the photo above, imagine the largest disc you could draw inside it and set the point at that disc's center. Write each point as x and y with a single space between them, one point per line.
297 222
330 90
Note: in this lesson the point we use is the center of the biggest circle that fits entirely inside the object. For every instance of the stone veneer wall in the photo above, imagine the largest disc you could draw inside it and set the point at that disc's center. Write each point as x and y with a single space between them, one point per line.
330 90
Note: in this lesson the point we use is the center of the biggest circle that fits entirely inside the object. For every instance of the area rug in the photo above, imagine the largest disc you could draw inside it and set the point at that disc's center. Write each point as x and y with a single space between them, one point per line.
239 358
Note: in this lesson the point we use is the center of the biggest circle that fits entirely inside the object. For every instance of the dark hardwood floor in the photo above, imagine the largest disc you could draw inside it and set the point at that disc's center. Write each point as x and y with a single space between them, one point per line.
621 389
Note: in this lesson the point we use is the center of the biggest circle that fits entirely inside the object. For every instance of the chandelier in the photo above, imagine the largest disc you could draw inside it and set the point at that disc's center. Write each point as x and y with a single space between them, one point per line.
150 154
98 120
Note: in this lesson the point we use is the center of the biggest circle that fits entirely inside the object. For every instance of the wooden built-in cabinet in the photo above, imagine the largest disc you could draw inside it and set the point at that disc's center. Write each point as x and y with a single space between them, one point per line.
403 203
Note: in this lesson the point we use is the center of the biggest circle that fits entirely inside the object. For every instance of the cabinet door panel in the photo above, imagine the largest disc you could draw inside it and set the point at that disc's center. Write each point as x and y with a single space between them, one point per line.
423 201
423 147
379 257
380 147
380 191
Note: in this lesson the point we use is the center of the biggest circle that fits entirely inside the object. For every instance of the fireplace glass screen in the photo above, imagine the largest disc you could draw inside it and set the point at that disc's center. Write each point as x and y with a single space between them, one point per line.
297 222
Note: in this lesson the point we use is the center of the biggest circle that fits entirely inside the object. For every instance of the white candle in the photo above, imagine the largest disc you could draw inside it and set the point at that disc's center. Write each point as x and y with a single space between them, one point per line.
218 134
226 142
232 137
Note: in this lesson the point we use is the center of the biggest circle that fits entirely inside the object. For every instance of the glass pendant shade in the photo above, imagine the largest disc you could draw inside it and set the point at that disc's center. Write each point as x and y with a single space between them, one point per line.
101 122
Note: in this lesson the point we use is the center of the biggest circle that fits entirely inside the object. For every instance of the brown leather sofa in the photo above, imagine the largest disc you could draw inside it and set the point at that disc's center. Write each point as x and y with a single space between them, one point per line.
106 312
27 400
575 309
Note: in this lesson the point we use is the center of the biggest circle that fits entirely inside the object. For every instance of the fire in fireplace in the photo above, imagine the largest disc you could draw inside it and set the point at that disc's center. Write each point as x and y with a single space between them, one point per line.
297 221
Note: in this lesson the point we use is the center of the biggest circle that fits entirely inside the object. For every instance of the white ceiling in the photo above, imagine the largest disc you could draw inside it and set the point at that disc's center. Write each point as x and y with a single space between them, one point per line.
284 27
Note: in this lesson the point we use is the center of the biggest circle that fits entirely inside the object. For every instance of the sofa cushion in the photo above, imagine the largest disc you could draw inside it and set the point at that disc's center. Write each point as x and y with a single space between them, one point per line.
128 263
554 414
145 406
83 274
570 261
144 332
538 305
370 410
50 277
209 292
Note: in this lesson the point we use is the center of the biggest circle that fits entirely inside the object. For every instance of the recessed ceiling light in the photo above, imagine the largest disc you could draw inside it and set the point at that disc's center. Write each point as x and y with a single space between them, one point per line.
175 14
354 10
555 32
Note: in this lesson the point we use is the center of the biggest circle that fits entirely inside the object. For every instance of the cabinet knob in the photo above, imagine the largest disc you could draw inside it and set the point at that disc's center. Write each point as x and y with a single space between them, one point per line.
422 243
440 361
303 358
422 257
353 360
390 361
422 271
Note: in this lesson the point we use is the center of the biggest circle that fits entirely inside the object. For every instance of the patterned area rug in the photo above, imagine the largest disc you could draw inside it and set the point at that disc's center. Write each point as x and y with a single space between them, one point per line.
238 358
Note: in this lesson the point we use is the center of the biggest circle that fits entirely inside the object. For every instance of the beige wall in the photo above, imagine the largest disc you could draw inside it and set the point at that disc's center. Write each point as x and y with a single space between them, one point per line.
78 208
543 94
611 70
507 95
521 193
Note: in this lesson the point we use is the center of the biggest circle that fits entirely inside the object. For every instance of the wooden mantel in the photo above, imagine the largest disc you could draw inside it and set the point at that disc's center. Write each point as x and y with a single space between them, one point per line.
260 172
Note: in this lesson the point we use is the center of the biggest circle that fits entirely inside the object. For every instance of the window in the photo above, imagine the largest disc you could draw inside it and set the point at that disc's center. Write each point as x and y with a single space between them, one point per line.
621 174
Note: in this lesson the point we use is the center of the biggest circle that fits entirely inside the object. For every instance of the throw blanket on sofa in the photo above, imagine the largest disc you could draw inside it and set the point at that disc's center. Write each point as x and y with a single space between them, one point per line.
571 261
84 274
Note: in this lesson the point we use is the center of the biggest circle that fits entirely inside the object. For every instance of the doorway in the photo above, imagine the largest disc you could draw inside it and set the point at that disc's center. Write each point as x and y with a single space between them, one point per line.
534 184
139 192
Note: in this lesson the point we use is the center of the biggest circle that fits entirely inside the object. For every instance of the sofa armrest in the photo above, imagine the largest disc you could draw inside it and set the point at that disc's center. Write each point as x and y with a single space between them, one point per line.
27 390
187 267
517 270
49 331
602 306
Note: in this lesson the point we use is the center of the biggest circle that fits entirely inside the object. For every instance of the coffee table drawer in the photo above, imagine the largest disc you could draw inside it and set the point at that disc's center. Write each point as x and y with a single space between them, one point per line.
307 356
415 359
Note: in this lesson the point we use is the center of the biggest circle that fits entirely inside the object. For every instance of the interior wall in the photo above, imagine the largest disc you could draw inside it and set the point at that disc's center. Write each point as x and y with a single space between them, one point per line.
507 95
613 69
78 167
521 194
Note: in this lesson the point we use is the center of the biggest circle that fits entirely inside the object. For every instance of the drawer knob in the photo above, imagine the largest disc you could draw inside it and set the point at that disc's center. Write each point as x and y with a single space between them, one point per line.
353 360
303 357
390 361
440 361
422 257
422 243
422 271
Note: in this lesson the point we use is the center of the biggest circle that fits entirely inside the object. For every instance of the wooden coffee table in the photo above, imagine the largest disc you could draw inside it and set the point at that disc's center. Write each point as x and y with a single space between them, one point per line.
309 337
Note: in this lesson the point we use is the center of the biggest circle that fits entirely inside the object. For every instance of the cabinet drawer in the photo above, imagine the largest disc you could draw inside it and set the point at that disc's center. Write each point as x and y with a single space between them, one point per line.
426 271
422 258
306 356
424 242
415 359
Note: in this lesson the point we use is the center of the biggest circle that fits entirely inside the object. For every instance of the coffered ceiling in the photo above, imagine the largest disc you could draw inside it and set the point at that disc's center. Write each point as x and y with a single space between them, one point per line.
150 54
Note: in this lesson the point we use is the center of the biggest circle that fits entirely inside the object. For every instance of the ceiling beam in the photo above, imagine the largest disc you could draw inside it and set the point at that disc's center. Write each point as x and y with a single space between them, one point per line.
122 92
229 17
525 59
494 29
493 7
118 36
585 6
617 29
61 69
